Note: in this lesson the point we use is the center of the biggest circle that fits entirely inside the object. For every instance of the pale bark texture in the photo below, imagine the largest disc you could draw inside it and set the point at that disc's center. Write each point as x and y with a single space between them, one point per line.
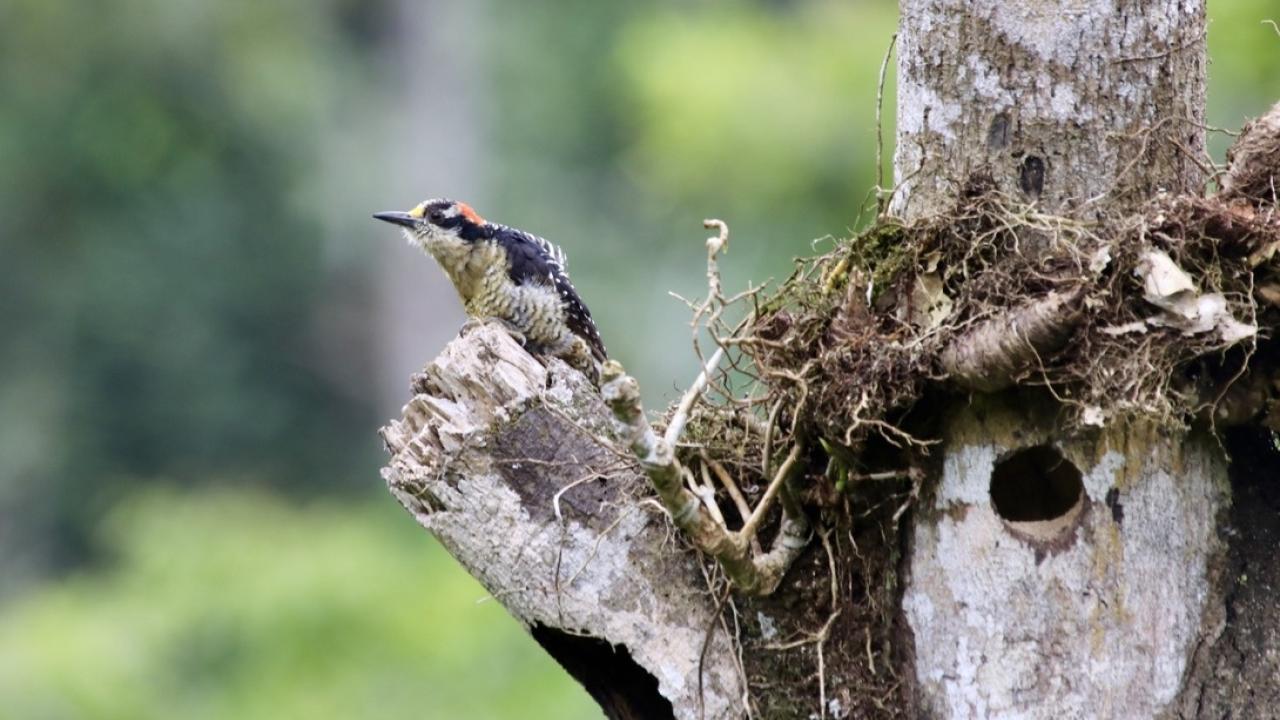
1076 104
1085 108
513 466
1093 614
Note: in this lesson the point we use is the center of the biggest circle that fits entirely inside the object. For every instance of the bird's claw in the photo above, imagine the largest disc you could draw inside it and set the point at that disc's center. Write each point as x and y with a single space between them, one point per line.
470 324
517 335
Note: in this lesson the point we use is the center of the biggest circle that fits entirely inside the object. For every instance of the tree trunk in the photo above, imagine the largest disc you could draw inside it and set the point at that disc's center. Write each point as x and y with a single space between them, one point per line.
1059 573
1048 568
1077 105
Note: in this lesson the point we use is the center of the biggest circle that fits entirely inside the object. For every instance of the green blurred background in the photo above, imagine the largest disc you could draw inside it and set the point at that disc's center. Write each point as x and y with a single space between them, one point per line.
203 329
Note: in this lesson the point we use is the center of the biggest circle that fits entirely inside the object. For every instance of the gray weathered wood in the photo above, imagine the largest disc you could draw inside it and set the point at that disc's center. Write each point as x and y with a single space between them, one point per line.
1093 616
509 463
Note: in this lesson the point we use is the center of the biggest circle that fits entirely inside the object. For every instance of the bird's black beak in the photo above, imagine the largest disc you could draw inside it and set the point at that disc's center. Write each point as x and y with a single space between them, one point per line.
397 218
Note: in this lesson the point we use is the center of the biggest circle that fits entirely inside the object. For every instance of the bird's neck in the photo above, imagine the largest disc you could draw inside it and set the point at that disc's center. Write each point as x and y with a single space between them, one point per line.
470 266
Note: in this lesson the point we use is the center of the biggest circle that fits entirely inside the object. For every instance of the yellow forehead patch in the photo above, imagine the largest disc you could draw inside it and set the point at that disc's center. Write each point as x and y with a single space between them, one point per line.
418 211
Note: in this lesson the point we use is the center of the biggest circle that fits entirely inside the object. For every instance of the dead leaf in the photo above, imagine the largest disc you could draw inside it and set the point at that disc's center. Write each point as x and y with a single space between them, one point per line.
1169 288
930 305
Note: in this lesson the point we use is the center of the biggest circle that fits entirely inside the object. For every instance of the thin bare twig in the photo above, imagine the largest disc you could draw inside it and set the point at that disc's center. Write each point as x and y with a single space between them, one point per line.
783 475
767 451
881 200
707 491
731 487
676 427
750 573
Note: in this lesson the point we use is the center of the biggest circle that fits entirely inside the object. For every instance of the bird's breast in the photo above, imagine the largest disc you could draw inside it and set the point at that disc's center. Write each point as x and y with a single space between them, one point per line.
468 267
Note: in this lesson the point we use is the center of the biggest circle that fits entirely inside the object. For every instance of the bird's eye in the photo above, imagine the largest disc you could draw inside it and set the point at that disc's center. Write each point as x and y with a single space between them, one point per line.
436 216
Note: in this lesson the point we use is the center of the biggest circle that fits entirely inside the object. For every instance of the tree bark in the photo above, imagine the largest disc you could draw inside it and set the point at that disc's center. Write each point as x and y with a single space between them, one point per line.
1057 596
513 466
1076 105
1109 603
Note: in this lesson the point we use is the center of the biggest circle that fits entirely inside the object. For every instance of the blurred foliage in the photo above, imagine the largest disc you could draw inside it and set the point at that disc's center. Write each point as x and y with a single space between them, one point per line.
238 605
766 113
161 275
635 121
1244 65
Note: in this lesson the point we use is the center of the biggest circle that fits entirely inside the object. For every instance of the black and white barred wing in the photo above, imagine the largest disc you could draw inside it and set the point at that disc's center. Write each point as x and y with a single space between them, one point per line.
535 260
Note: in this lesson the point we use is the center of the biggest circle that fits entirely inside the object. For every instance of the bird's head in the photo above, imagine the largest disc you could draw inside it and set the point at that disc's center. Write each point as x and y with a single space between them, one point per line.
439 225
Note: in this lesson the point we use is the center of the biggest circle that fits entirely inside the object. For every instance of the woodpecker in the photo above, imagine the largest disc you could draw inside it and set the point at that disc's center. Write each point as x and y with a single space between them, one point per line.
509 274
